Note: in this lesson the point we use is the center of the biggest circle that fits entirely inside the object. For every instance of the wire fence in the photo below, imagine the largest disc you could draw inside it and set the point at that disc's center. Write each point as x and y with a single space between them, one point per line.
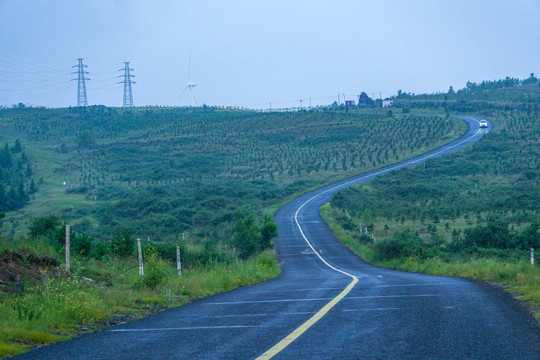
68 246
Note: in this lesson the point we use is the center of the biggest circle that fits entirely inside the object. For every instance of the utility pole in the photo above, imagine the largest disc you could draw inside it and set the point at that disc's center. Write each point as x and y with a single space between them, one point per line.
82 101
128 94
300 104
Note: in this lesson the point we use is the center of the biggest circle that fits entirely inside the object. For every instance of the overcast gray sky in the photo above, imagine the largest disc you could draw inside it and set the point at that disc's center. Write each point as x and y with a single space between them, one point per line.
248 53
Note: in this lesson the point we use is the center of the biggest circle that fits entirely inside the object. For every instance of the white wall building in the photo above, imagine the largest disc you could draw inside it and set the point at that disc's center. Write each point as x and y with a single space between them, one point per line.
387 103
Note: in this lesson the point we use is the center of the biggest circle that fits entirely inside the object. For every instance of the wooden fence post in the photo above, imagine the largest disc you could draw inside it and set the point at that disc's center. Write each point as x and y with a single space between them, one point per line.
178 262
141 269
67 249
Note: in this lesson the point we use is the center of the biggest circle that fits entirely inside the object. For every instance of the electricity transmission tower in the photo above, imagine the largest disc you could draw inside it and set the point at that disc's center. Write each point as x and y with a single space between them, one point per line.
128 94
81 79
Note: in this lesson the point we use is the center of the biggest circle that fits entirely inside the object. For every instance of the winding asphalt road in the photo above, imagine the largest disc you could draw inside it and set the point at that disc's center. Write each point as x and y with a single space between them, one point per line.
328 304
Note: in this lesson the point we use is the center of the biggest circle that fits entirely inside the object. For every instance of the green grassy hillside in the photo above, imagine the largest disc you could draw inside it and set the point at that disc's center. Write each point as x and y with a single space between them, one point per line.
161 172
475 213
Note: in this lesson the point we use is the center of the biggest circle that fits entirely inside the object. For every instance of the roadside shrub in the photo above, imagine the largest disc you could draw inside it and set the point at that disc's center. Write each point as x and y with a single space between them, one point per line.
246 234
268 231
363 238
27 308
402 245
155 268
529 238
82 244
44 226
3 246
494 235
101 250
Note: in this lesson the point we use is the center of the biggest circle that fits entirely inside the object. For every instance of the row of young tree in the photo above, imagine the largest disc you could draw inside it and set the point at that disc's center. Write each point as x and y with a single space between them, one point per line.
482 200
189 170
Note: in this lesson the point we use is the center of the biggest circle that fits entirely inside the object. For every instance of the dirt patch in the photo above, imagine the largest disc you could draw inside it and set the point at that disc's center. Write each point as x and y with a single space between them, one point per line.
18 270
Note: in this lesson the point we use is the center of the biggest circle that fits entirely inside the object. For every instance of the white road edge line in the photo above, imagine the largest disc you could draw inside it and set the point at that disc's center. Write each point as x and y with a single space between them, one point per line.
320 299
300 330
186 328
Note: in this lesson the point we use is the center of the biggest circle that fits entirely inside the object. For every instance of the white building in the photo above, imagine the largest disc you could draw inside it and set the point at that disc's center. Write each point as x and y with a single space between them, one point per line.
387 103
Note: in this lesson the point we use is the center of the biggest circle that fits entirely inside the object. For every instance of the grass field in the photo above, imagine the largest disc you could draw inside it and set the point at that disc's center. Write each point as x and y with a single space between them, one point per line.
55 307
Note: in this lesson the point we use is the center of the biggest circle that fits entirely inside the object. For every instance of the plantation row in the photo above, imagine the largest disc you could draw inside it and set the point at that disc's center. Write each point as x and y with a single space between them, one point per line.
160 172
482 201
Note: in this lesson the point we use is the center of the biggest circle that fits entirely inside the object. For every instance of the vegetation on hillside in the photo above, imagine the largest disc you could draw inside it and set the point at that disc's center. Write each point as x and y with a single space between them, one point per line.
474 213
41 304
162 172
178 177
504 94
17 180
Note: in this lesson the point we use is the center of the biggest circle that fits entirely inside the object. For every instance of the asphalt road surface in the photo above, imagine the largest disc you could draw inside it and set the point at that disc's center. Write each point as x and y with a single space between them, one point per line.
328 304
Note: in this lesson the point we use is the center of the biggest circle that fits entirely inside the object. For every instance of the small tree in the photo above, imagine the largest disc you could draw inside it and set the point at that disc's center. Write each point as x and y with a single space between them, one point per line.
17 148
156 268
122 244
44 226
82 244
268 232
246 234
101 250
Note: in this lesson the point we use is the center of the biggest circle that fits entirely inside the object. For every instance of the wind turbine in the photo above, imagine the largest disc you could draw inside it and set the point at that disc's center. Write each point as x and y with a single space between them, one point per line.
190 85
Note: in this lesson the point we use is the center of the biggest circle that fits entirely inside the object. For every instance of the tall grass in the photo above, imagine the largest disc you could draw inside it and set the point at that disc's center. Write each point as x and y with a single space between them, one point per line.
57 308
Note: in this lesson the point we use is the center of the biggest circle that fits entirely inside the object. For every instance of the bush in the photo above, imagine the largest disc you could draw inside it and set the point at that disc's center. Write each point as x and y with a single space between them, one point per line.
494 235
44 226
246 234
122 244
529 238
404 244
155 268
82 244
268 232
101 250
363 238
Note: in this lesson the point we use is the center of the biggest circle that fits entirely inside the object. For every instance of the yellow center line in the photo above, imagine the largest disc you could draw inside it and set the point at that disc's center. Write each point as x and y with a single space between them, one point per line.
302 328
274 350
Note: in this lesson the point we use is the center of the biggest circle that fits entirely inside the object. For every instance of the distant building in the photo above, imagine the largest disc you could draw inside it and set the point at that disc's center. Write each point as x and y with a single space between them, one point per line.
387 103
349 103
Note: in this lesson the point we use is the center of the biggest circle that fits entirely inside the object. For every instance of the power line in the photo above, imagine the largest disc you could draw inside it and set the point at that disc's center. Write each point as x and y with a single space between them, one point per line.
20 212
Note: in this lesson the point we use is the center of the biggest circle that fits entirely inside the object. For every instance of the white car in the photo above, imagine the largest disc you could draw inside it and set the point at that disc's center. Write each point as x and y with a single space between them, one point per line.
483 124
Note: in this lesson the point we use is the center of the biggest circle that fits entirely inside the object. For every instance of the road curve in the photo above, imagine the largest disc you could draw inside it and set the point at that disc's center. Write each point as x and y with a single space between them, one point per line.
328 304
